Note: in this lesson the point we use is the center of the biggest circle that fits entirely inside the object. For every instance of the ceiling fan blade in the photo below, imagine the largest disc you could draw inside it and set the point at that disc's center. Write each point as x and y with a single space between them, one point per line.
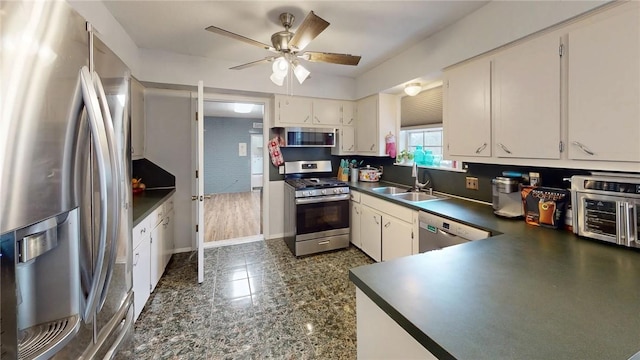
311 27
343 59
245 39
253 63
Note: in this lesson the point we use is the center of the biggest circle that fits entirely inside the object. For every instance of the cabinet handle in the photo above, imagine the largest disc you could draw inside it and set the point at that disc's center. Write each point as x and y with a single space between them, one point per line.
143 230
350 121
482 147
316 118
372 146
135 261
583 148
357 212
387 224
324 242
306 119
351 148
504 148
376 220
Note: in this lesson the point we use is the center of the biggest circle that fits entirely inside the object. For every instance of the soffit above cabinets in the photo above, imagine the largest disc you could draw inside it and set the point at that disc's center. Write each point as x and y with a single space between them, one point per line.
422 109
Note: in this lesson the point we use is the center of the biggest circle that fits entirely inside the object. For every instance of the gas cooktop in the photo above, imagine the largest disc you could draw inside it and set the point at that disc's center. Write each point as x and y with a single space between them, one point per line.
315 183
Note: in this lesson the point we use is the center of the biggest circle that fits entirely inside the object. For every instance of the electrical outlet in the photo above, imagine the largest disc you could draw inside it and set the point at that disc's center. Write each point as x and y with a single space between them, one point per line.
472 183
281 169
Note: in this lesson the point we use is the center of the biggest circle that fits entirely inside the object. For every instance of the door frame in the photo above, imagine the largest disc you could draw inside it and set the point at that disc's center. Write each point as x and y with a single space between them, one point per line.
266 102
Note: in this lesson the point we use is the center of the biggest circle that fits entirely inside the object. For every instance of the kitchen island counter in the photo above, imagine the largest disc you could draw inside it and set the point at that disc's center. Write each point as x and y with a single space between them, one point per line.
527 293
147 201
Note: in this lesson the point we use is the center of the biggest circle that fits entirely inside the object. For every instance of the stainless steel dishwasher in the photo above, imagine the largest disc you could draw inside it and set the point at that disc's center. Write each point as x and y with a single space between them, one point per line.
437 232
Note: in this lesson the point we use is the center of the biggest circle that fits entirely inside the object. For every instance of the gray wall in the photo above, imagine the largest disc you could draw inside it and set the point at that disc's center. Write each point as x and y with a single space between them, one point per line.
225 171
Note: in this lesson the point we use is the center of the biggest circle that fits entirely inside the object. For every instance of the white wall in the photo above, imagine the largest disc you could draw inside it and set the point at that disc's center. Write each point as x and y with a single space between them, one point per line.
168 144
491 26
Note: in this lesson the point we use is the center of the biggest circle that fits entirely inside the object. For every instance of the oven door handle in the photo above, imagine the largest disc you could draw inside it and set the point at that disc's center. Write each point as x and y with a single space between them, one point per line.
321 199
632 226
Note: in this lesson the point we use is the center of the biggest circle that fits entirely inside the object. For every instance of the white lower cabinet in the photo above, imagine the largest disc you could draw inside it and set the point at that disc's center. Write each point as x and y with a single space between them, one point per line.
371 233
153 243
355 220
397 238
384 236
141 275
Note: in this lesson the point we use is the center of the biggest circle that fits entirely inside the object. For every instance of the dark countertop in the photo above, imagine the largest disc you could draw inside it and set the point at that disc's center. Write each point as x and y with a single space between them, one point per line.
147 201
527 293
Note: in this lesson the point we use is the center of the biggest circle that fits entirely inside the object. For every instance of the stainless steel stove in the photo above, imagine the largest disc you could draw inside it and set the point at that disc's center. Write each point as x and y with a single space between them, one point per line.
316 208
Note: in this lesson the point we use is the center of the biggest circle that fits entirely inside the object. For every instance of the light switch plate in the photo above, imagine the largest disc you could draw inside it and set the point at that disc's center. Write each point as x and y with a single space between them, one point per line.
242 149
281 169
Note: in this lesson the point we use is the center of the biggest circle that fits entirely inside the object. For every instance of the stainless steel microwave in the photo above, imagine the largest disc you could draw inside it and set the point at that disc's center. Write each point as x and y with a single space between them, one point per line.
309 137
606 208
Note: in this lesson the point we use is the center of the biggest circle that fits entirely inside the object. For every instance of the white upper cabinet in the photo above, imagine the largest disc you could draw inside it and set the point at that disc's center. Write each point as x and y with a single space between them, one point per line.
526 99
346 141
296 111
137 119
327 112
312 112
467 109
377 116
348 113
604 87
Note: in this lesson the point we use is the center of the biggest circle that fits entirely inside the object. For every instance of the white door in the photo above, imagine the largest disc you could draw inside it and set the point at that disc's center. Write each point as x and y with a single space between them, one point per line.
198 229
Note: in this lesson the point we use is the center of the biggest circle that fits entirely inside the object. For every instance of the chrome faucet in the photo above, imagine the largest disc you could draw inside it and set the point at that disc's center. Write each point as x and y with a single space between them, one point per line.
418 186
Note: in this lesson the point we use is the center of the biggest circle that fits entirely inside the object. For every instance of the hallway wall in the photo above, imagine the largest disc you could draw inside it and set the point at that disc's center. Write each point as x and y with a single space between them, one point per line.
224 170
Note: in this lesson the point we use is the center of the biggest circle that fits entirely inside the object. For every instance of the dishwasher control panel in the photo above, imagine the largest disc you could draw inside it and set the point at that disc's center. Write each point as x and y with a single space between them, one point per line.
433 223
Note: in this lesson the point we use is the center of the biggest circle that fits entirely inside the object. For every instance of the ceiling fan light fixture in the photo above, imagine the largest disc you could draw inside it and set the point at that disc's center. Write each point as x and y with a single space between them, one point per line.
300 72
280 67
412 89
277 79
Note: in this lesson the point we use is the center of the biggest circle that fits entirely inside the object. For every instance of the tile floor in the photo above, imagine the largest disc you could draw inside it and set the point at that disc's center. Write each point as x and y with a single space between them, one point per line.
257 302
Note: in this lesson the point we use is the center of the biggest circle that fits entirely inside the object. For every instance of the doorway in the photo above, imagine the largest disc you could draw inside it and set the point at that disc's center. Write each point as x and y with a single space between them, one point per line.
232 173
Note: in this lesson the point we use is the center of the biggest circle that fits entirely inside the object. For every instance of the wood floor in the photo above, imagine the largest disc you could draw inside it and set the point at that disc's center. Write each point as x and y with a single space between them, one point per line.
232 215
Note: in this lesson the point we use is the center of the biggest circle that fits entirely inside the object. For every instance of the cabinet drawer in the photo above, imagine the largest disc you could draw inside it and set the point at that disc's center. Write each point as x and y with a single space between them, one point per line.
387 207
355 196
141 231
156 216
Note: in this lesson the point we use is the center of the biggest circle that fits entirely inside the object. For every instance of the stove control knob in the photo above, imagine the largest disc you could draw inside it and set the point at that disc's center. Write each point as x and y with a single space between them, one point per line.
324 192
337 191
307 193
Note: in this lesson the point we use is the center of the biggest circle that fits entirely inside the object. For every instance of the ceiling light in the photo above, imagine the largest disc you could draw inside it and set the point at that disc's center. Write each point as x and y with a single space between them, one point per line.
280 67
278 80
300 72
242 108
412 89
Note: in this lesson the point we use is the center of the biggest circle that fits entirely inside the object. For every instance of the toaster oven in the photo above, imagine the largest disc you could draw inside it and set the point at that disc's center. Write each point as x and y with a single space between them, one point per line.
606 208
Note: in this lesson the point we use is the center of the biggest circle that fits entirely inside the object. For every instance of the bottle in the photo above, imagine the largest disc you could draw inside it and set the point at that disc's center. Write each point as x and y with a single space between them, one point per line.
428 157
419 156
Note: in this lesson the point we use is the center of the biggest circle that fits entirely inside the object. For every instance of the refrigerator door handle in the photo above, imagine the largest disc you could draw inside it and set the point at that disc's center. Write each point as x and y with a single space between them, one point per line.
114 218
96 127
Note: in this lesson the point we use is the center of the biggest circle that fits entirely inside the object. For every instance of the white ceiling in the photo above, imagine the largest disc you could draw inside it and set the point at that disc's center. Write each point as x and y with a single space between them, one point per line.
226 109
375 30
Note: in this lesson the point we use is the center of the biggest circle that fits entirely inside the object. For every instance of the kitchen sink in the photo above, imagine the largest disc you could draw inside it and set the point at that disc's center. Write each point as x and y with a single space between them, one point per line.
415 196
390 190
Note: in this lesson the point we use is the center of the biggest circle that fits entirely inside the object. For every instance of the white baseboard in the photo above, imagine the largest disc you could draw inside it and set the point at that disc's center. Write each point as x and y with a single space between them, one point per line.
236 241
181 250
274 236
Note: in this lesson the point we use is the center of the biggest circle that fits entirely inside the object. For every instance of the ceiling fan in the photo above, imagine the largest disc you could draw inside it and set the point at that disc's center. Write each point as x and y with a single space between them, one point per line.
289 47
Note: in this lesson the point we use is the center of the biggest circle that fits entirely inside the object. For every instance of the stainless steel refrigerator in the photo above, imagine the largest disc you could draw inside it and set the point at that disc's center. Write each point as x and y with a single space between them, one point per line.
65 193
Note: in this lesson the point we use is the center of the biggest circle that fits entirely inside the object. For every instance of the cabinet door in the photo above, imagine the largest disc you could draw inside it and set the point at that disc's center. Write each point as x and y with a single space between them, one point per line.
397 238
294 110
526 96
356 216
167 239
327 112
348 113
371 233
467 109
137 119
141 275
367 126
346 141
604 88
156 262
